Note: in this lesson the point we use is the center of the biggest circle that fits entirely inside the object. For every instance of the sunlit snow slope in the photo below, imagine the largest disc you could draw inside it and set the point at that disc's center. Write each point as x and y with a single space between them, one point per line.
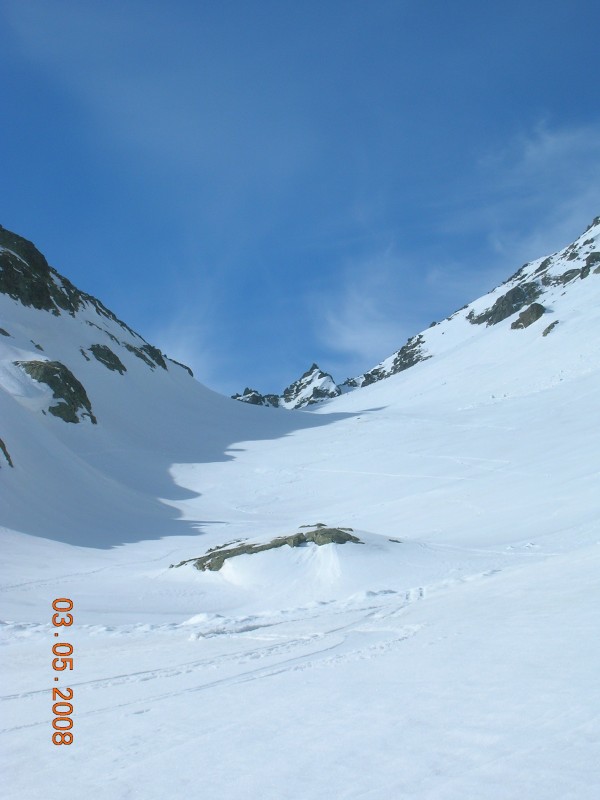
451 654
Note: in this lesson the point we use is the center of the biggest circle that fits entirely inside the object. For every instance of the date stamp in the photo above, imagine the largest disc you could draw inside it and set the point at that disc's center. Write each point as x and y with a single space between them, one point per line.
62 708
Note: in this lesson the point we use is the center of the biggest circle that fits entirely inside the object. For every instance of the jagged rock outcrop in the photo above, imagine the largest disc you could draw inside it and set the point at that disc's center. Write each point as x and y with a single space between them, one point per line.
148 354
529 316
409 354
508 304
255 398
214 558
73 403
105 355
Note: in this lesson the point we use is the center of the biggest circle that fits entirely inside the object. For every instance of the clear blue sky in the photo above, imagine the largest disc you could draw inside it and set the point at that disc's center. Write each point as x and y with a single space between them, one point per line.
257 185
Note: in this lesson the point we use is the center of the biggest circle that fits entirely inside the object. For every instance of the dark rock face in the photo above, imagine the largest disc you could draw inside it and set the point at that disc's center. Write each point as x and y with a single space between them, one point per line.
216 557
148 354
507 305
255 398
569 275
183 366
105 356
529 316
155 354
72 397
352 383
26 276
6 453
408 355
593 260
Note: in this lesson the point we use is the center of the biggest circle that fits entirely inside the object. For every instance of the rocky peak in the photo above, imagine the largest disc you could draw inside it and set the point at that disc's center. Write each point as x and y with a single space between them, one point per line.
311 387
26 276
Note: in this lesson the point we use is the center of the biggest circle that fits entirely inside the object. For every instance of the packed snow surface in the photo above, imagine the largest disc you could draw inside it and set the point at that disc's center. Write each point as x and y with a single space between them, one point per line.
452 654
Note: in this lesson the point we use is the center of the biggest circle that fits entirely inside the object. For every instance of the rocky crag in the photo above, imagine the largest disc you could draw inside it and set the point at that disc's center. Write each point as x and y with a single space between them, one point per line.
30 282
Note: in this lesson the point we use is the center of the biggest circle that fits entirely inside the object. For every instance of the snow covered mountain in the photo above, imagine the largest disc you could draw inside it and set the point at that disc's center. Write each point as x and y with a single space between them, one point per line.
312 387
394 595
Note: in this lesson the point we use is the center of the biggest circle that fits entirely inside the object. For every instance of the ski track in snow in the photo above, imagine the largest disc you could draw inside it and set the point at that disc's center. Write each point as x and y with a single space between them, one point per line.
334 645
365 620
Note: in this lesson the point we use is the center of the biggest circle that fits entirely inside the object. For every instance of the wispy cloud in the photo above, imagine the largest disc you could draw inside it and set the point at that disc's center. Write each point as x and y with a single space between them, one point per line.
187 338
537 193
524 201
364 318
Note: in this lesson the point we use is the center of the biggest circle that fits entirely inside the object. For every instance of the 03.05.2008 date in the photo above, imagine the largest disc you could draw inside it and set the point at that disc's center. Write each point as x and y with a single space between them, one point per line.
63 652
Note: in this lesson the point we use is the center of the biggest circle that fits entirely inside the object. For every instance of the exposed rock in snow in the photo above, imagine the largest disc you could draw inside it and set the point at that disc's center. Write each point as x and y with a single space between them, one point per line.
216 557
6 453
529 316
255 398
550 328
73 403
410 354
105 355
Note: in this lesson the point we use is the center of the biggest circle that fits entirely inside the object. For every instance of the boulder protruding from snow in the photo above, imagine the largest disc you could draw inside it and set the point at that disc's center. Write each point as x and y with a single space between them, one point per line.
508 304
214 559
529 316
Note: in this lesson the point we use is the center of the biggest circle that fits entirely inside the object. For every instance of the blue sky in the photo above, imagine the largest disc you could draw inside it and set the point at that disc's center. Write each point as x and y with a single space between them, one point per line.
257 185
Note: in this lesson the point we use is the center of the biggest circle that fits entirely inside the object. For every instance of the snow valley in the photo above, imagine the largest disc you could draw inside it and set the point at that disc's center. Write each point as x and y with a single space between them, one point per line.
386 587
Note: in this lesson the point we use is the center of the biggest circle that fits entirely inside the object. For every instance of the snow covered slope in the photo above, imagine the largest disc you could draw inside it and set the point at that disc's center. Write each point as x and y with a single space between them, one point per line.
535 295
449 654
92 416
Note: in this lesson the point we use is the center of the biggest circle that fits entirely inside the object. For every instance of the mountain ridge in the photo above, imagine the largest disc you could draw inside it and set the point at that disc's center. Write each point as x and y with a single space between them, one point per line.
524 291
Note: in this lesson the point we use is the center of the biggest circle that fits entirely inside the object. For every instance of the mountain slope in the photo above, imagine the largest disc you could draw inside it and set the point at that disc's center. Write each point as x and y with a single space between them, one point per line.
65 359
533 295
